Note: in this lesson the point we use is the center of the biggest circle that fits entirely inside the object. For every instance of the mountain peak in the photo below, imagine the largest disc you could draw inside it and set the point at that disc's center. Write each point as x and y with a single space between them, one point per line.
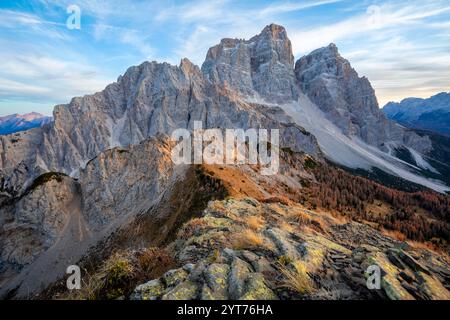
20 122
188 67
275 30
330 50
432 114
260 67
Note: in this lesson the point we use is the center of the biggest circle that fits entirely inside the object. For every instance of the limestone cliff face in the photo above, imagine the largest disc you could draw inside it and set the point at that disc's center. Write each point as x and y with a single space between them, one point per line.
57 219
259 67
241 84
157 98
32 223
349 100
122 182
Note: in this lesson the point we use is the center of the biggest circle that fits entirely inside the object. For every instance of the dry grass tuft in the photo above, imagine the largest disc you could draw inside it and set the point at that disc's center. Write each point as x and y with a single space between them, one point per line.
394 234
297 277
255 222
248 239
299 216
121 272
286 227
153 263
277 199
191 228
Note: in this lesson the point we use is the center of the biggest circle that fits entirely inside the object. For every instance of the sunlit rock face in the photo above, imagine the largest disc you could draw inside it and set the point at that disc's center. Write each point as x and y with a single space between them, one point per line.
157 98
259 67
349 100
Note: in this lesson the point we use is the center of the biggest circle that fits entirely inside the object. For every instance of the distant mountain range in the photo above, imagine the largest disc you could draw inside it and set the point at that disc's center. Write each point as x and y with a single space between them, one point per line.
431 114
17 122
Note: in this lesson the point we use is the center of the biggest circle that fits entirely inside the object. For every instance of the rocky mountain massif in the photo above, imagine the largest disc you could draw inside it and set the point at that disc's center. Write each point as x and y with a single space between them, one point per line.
431 114
100 178
17 122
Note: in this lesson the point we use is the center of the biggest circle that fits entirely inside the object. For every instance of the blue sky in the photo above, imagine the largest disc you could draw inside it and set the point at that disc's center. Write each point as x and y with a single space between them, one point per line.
403 47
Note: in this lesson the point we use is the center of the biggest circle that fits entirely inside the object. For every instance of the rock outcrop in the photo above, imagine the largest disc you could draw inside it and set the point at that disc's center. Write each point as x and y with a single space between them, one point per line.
147 100
224 262
242 84
58 218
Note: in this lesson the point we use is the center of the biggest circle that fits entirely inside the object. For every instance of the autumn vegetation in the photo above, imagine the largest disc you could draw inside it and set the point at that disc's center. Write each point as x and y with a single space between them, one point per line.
421 215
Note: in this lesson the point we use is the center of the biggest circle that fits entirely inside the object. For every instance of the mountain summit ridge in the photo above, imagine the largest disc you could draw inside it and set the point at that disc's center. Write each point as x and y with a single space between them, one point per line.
21 122
237 84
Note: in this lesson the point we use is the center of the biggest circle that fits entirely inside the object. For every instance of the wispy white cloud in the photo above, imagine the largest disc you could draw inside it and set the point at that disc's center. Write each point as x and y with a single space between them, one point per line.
40 77
127 36
26 22
283 7
385 44
370 23
194 11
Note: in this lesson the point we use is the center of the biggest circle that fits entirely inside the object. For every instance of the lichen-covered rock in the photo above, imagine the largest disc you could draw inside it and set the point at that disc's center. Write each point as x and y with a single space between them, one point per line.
336 271
238 273
284 245
256 289
412 263
259 264
186 290
173 277
216 280
151 290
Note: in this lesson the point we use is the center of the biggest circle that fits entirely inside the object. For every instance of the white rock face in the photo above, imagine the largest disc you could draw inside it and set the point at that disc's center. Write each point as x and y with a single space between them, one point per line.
261 66
149 99
349 101
120 181
34 221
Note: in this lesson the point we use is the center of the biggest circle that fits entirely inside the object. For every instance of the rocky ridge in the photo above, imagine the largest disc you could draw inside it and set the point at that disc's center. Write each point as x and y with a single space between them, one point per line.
349 101
221 260
58 218
242 84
